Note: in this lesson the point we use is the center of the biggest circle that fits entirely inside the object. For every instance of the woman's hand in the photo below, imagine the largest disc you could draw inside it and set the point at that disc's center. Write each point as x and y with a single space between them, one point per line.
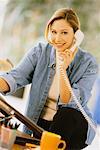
65 58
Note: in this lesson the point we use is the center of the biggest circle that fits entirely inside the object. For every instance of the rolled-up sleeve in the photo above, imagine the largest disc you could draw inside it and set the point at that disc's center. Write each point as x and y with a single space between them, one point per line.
22 74
82 88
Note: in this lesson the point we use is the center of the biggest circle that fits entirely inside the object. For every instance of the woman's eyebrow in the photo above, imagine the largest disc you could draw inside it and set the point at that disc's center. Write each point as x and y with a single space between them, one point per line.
61 29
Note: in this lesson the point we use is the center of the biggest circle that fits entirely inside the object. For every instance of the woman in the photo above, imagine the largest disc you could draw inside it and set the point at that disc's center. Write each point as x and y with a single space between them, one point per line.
50 104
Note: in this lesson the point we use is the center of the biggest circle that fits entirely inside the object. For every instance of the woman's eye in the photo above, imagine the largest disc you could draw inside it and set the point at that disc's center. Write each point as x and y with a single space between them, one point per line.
54 32
64 32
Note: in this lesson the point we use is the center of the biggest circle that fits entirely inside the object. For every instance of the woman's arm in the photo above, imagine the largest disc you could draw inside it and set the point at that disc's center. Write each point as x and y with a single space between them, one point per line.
4 87
22 74
81 87
5 65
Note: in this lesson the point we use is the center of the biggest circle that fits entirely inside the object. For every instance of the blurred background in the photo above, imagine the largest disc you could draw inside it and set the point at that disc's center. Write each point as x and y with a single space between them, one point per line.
22 24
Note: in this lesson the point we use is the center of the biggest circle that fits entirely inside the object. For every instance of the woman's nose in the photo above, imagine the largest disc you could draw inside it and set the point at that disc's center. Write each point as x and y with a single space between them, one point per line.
58 37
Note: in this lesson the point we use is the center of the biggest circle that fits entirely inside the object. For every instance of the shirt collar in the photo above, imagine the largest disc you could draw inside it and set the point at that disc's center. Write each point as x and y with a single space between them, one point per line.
52 57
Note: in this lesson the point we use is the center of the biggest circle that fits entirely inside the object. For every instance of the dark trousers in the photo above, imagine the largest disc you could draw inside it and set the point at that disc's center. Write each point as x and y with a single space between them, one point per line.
70 124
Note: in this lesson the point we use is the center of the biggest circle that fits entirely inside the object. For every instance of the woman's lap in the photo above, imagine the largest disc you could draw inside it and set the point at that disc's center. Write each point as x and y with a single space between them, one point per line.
70 124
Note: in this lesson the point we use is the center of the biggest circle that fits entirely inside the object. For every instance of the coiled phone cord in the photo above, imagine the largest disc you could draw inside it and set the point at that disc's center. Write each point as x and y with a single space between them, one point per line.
89 120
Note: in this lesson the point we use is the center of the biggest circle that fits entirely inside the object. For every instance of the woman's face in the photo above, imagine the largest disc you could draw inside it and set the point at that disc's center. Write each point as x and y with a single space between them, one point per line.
61 34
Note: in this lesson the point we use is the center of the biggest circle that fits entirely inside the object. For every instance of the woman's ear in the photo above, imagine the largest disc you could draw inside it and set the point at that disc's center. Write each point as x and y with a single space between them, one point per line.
49 36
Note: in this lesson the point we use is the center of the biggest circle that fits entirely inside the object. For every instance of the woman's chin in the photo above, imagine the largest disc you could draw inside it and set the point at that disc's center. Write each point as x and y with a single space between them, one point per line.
60 50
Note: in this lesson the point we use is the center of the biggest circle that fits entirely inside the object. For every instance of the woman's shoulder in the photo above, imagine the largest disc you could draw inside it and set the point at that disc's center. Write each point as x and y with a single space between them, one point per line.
88 60
86 56
40 47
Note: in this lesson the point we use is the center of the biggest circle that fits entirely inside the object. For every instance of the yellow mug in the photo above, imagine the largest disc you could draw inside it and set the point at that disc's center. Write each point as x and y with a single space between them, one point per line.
51 141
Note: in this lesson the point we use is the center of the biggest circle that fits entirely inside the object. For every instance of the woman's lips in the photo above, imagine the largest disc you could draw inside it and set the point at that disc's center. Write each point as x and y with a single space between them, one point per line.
59 45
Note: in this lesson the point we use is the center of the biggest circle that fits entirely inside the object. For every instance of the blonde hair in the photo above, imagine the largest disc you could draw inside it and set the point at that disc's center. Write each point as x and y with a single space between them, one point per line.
64 13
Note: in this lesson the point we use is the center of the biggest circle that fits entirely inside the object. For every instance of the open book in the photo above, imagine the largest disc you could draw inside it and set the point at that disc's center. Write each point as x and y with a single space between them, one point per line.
8 110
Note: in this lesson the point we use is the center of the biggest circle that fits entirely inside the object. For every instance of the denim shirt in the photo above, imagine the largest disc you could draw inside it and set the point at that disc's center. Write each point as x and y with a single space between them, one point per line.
38 68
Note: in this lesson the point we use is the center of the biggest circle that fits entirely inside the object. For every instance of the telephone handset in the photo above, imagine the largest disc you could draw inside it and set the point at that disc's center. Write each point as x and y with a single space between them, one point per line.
79 37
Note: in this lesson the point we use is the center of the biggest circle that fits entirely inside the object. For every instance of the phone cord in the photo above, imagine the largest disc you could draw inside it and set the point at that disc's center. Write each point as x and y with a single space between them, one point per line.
89 120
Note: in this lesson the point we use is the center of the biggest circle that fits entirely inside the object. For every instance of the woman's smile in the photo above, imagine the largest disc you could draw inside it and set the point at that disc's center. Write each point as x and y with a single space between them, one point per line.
59 45
61 35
